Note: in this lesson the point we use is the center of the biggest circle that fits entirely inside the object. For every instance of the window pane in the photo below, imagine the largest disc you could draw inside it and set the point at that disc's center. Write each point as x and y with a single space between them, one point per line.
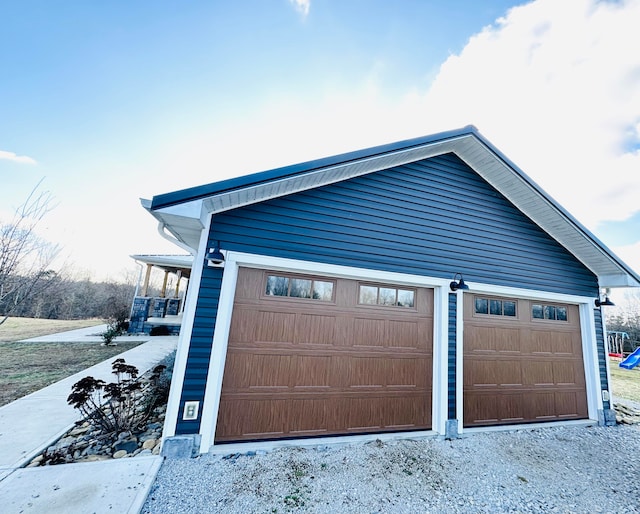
405 298
368 295
322 290
549 312
277 286
561 313
387 296
536 312
495 307
482 306
509 308
300 288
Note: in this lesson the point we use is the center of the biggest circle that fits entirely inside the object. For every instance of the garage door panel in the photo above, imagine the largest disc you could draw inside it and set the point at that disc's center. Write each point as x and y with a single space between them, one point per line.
275 327
519 369
539 373
411 372
315 329
482 409
369 332
568 373
487 372
493 340
308 417
311 371
301 367
245 419
479 411
570 404
244 327
256 370
542 406
382 413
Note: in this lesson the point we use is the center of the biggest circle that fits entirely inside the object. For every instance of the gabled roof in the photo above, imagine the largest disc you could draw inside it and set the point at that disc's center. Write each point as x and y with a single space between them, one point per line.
183 213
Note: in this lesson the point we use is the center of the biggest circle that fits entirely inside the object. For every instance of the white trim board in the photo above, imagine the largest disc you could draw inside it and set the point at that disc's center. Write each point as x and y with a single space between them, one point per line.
184 340
587 334
235 260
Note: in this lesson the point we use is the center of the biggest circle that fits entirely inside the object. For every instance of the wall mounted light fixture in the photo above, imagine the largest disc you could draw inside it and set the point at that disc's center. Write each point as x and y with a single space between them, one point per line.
458 284
214 256
606 302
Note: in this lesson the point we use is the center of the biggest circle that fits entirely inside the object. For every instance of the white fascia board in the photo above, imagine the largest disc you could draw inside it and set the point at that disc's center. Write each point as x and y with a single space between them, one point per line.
325 176
617 281
192 209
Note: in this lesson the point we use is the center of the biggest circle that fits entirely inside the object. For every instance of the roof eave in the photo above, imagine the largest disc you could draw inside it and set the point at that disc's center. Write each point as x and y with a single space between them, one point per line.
184 212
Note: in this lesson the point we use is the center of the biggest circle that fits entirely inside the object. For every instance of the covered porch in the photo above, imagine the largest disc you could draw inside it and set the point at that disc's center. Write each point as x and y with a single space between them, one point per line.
157 309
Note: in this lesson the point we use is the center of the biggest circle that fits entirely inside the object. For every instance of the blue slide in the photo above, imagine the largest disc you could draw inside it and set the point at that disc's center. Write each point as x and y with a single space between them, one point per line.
632 360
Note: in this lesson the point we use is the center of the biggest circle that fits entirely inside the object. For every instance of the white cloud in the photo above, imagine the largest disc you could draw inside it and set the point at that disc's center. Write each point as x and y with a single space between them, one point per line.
10 156
302 6
554 86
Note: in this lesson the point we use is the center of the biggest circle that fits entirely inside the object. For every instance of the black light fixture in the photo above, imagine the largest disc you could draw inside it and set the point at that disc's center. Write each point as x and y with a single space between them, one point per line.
455 285
604 303
215 256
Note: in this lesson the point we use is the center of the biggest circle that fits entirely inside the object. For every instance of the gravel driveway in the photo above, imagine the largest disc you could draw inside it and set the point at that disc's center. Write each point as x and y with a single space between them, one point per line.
574 469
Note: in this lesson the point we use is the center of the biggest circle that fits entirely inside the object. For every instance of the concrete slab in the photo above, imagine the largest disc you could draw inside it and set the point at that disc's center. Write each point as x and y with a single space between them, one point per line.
114 486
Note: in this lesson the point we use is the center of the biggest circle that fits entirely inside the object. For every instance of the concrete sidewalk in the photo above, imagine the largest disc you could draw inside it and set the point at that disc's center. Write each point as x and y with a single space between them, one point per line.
31 424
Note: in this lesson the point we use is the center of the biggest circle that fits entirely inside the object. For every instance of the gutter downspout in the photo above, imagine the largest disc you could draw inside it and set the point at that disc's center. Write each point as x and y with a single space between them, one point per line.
172 239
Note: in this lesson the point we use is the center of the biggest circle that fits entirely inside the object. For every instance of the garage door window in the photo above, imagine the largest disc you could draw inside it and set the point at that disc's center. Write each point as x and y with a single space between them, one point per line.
495 307
549 312
386 296
297 287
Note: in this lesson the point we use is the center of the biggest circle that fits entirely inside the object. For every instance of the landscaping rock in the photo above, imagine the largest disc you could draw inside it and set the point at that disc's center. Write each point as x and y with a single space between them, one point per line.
119 454
149 444
129 446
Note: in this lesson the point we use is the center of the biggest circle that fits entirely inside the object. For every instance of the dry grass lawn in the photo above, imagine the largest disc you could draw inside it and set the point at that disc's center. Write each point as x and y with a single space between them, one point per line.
16 329
625 383
27 367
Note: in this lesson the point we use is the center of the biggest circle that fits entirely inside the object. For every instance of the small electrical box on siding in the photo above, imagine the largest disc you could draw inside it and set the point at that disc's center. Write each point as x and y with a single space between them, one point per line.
190 412
605 396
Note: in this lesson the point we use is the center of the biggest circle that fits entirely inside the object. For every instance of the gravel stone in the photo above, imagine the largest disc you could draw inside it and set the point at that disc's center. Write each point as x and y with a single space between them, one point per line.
570 469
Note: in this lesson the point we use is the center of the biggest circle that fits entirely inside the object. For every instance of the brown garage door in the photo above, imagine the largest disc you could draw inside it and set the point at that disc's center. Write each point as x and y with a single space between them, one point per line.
312 356
522 361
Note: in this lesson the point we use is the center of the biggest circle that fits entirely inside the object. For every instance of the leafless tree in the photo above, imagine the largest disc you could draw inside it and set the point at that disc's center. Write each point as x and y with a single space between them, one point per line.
25 257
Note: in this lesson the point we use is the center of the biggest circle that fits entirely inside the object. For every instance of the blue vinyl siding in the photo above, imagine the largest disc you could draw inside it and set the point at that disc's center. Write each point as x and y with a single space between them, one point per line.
602 353
195 378
451 357
434 217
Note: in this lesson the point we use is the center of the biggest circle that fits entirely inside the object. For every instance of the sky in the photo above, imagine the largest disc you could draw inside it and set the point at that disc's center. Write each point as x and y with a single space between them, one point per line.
110 102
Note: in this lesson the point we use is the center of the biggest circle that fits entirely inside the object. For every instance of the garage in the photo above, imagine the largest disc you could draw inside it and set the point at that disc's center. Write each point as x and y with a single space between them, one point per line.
523 361
313 356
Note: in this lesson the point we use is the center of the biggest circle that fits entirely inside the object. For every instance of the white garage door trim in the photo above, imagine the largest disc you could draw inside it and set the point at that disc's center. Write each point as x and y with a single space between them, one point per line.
589 348
234 260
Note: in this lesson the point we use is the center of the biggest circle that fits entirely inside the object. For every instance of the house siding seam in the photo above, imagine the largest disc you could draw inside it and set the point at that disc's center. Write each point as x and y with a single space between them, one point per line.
451 357
195 378
438 215
602 354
